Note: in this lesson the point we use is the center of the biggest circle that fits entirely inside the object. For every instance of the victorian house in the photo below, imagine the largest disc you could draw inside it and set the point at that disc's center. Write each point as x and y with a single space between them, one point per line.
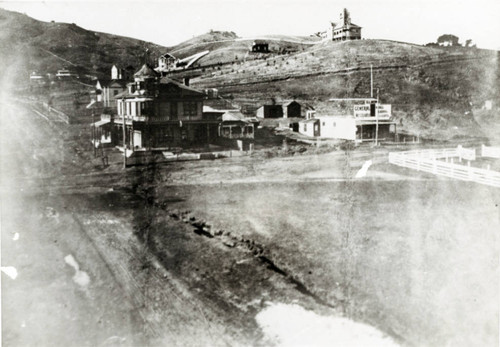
156 113
344 29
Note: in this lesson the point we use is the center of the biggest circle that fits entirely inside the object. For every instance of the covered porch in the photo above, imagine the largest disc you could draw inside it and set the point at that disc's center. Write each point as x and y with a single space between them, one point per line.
371 130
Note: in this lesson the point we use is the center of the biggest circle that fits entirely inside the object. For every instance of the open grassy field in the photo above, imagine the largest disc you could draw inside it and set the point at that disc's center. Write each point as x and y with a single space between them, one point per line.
416 258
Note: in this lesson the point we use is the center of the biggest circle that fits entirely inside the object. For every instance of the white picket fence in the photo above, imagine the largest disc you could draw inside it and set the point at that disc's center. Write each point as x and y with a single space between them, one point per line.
428 161
209 155
60 116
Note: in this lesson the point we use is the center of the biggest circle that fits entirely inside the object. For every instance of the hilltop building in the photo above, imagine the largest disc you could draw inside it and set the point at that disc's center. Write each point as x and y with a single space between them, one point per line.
344 29
36 78
260 46
65 74
167 62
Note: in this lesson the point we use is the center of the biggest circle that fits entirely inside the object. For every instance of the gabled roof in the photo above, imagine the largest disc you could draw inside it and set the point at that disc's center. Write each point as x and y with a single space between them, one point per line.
352 25
103 82
288 103
117 83
166 81
146 71
167 55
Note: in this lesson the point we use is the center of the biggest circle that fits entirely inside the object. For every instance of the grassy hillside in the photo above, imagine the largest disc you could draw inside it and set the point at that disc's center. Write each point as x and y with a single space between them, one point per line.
47 47
226 47
431 89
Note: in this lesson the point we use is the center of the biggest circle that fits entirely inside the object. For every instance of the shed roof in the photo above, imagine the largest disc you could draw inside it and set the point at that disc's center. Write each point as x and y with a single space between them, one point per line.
207 109
312 120
233 116
101 122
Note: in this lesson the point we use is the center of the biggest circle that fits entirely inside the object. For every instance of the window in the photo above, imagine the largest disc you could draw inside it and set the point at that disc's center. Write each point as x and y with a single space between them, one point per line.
323 123
190 108
173 110
334 124
305 127
115 92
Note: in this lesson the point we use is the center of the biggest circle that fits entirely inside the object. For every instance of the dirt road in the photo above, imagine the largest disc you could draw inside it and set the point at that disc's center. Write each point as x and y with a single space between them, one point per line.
83 279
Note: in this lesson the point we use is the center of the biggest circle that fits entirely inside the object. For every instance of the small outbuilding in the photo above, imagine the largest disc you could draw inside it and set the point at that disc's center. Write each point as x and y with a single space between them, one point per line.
270 111
309 127
292 109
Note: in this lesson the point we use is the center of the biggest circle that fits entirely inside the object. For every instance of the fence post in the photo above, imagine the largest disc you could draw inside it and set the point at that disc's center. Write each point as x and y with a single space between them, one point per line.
469 170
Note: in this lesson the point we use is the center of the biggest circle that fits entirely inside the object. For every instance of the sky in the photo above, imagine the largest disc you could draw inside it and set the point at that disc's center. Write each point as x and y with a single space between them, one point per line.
170 22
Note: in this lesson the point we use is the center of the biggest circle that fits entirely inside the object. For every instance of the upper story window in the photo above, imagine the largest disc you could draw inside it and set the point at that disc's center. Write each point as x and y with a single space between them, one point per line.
190 108
173 110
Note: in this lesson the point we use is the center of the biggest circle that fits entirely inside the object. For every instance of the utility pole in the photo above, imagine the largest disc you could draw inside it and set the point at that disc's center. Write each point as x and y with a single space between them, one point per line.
376 104
376 124
93 134
371 81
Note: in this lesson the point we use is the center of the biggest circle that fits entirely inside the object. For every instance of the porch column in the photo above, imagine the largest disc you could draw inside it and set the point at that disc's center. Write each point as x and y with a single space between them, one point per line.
132 135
